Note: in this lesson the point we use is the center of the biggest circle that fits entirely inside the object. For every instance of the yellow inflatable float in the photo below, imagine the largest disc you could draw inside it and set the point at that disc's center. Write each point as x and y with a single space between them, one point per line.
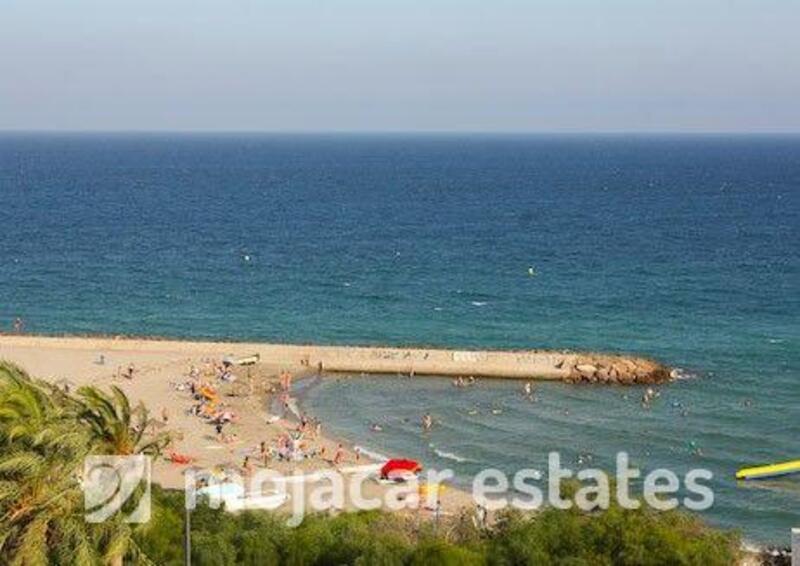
769 471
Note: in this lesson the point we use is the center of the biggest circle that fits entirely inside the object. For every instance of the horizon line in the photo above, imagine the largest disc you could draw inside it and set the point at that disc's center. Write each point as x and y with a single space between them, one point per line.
398 132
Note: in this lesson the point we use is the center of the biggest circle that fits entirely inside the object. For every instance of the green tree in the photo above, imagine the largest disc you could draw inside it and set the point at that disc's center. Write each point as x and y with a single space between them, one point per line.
116 428
45 436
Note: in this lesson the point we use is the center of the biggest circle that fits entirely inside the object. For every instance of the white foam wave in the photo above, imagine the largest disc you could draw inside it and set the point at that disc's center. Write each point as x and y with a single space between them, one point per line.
478 303
372 454
679 374
449 455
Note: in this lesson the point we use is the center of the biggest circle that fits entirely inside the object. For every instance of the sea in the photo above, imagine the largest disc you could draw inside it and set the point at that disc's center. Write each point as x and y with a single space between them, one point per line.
681 248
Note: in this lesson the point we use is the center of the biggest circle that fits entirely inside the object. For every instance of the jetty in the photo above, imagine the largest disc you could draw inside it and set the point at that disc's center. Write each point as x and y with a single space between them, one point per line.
567 366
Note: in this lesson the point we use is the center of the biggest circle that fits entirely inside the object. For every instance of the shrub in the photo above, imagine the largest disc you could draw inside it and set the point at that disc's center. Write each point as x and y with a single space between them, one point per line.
616 536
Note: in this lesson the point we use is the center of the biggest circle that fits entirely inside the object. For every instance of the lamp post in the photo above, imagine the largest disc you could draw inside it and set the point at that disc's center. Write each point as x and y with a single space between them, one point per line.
187 536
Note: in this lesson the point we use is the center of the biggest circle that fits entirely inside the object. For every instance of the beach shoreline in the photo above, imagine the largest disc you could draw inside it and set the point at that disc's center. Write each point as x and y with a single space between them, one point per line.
161 364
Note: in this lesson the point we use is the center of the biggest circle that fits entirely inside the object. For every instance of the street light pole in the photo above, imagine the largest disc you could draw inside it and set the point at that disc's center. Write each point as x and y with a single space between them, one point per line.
187 537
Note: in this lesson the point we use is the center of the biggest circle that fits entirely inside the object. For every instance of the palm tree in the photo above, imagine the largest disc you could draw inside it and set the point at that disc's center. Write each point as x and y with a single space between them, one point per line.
41 503
117 428
45 435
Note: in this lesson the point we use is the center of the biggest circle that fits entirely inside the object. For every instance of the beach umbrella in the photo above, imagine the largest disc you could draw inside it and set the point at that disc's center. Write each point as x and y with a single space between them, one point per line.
399 468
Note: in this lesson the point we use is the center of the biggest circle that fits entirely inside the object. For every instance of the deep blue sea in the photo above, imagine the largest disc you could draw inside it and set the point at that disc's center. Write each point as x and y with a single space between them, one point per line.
686 249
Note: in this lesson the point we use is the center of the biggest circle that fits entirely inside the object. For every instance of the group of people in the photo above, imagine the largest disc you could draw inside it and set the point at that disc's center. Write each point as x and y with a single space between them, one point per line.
295 445
206 399
297 442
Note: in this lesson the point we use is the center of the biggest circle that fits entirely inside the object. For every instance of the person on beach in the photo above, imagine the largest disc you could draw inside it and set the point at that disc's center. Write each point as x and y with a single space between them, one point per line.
286 381
131 371
164 415
285 402
247 466
264 453
338 455
481 516
19 326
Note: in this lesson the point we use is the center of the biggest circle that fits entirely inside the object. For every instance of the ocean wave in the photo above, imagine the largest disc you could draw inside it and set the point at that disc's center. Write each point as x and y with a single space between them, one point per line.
478 303
449 455
372 454
679 374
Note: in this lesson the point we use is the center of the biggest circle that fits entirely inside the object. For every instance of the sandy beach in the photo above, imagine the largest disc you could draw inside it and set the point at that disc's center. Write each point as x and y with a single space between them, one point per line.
159 368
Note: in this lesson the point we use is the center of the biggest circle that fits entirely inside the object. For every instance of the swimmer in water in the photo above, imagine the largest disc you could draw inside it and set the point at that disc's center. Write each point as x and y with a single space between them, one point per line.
427 422
649 395
527 390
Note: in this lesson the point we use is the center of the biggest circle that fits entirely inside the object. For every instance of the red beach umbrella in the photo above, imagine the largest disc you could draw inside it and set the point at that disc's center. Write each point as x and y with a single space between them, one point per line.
399 467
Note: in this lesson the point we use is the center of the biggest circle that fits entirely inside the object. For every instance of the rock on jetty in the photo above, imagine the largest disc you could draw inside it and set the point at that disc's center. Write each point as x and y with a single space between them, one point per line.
591 368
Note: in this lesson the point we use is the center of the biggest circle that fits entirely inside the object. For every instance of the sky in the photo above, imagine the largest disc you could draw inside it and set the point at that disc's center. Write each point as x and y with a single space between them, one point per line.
390 65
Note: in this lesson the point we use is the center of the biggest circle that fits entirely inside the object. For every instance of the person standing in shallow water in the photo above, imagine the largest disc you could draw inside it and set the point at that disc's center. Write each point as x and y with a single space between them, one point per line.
19 326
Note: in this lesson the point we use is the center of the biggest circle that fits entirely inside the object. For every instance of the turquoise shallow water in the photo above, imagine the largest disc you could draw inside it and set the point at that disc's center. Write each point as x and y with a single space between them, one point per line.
685 249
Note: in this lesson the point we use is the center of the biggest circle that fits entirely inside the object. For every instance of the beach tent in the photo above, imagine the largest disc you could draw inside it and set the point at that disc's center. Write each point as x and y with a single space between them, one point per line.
400 468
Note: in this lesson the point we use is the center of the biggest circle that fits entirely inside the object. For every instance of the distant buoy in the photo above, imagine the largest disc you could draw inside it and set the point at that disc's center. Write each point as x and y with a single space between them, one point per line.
246 257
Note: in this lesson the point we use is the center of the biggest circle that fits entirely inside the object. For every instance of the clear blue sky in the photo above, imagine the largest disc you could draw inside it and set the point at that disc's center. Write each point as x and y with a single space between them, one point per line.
489 65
